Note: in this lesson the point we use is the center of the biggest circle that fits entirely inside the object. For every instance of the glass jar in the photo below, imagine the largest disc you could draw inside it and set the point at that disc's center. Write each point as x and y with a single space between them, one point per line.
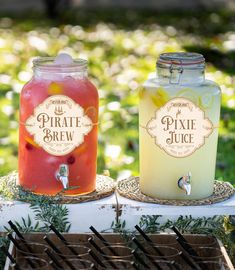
179 117
58 128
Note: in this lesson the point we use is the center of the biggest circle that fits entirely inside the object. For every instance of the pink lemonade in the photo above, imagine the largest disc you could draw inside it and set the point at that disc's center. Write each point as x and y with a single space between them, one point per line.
58 130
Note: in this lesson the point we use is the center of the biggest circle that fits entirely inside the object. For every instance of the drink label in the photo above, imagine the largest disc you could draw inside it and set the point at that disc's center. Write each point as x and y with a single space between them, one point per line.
179 127
59 125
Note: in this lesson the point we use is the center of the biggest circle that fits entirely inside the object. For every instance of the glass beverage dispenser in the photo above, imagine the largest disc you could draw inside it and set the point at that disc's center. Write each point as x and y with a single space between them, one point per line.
179 117
58 128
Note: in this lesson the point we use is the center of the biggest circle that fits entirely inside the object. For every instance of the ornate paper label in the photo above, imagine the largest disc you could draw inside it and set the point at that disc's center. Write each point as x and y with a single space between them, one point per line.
59 125
179 127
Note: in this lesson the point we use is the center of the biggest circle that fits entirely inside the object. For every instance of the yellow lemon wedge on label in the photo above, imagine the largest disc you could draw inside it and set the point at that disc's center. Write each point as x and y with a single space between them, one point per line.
55 89
141 92
188 94
32 142
160 98
206 100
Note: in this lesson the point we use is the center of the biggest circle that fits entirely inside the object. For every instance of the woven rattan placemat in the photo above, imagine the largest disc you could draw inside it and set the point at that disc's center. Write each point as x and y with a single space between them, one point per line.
130 189
105 186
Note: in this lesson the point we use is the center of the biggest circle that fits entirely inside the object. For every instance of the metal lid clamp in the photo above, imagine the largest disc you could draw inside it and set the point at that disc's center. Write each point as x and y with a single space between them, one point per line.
171 66
176 70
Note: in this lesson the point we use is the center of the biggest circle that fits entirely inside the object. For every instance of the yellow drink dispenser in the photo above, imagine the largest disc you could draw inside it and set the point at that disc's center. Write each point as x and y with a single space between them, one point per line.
178 115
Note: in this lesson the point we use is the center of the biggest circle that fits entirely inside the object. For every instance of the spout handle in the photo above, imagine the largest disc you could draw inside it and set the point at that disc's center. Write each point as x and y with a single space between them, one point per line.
62 175
184 183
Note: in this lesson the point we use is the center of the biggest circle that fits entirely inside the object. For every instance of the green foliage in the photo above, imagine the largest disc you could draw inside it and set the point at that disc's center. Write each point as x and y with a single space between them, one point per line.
48 212
25 225
219 226
215 225
118 226
47 209
150 223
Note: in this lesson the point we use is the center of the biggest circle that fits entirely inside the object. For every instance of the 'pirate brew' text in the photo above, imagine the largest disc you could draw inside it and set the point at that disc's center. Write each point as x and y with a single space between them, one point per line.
47 122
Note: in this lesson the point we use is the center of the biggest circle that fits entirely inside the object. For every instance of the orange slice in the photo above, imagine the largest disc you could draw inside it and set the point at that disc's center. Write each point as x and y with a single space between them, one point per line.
32 142
55 88
91 112
79 150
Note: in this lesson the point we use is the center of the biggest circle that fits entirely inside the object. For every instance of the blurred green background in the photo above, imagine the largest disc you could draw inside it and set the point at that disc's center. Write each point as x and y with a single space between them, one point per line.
122 46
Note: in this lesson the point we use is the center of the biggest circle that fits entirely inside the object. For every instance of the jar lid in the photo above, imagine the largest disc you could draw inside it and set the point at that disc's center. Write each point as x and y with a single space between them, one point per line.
184 60
48 64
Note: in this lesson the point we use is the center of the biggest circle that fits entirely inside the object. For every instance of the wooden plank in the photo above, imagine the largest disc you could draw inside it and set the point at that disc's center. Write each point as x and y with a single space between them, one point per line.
11 251
100 213
134 208
156 238
225 254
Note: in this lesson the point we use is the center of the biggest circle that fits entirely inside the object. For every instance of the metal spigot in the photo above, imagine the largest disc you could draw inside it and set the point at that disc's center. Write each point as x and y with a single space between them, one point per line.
62 175
184 183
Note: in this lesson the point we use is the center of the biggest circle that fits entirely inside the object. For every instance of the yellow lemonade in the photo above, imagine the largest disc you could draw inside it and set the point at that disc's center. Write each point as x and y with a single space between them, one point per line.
178 117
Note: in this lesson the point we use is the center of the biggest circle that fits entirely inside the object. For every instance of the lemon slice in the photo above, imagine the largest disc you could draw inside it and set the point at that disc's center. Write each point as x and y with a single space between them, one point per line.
160 98
206 100
141 92
189 94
